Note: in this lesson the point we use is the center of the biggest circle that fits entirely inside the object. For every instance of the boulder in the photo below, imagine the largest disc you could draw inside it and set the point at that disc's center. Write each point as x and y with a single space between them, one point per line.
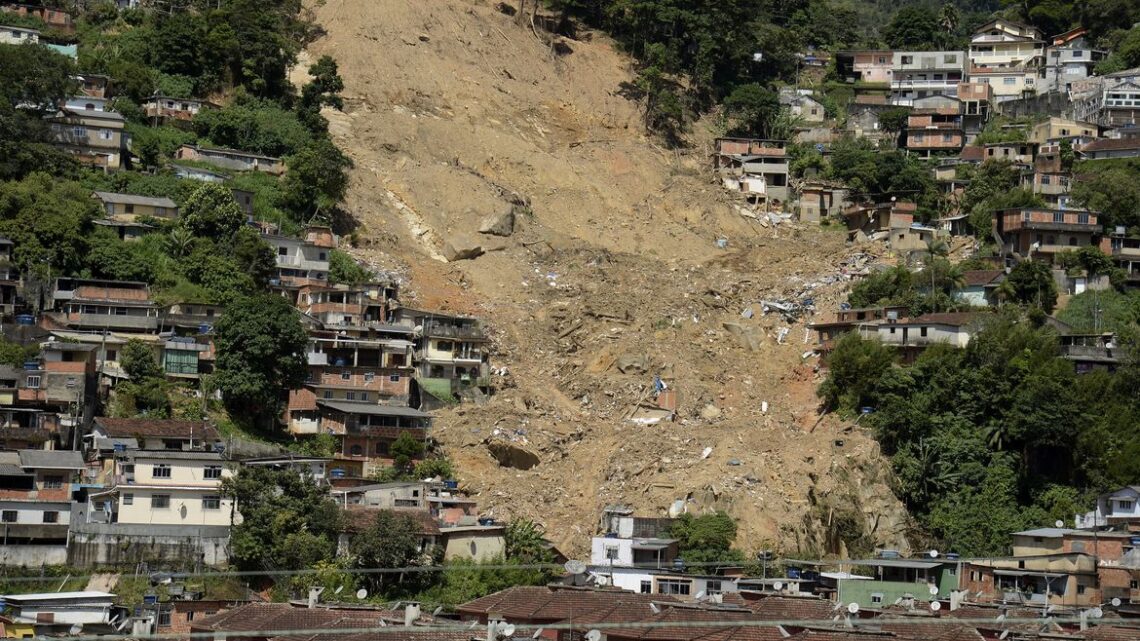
632 364
511 455
500 224
462 247
746 335
710 412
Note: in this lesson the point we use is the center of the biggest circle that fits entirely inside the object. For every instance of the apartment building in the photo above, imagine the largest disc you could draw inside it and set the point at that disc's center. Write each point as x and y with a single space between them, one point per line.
164 487
1043 233
918 74
1008 56
95 138
1069 58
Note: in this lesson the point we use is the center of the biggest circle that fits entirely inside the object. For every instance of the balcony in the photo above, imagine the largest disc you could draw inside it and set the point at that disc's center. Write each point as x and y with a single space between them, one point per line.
437 329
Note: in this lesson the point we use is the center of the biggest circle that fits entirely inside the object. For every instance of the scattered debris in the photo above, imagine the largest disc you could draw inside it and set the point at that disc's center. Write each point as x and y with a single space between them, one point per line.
706 453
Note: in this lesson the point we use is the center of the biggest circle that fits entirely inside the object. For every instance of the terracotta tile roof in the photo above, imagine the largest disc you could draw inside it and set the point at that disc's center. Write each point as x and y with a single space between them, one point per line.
163 428
972 153
1111 144
1113 633
980 277
787 608
93 292
554 603
358 519
840 635
956 319
680 616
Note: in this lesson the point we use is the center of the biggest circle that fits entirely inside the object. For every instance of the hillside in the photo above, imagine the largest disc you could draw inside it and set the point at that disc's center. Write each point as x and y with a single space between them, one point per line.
613 274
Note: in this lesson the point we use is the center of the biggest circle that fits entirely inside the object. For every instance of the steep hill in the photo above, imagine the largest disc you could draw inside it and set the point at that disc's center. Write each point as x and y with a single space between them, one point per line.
456 112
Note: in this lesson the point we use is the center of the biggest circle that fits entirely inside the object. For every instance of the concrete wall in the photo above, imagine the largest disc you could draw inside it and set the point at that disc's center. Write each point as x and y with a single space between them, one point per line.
476 545
1052 103
183 507
33 555
124 544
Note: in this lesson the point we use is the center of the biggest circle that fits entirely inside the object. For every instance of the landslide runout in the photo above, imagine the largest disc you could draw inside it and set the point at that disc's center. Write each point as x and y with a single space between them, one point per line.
613 275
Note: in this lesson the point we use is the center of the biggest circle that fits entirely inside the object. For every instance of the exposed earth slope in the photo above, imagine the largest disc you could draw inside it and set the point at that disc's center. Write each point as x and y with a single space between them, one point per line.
456 112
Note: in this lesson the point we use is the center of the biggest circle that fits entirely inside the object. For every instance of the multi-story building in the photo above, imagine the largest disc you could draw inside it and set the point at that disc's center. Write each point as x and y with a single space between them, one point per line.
1017 153
10 35
976 99
872 67
96 138
9 278
35 504
935 129
164 487
450 347
1048 178
1008 56
918 74
1126 252
1070 58
1043 233
93 304
1119 99
749 157
1055 129
299 263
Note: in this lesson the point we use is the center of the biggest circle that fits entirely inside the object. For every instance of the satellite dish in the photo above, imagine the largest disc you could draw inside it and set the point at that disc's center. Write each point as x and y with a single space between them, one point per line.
362 594
593 635
1001 617
1096 613
507 630
933 554
1059 523
1004 634
76 629
933 590
537 633
653 607
778 585
338 589
853 608
700 595
1115 602
436 611
574 566
935 606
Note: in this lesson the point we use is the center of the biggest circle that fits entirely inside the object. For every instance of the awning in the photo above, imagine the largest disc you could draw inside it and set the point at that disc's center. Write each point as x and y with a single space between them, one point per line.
370 409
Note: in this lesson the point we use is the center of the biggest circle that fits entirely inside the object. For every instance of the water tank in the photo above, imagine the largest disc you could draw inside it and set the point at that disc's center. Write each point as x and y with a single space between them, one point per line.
204 328
336 473
953 556
793 573
25 319
31 365
451 485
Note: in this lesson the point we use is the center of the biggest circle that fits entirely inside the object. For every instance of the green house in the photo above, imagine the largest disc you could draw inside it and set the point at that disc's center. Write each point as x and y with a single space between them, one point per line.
898 580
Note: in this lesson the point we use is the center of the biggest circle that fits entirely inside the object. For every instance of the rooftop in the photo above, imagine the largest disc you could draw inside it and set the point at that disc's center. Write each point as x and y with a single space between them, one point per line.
131 199
159 428
371 409
51 459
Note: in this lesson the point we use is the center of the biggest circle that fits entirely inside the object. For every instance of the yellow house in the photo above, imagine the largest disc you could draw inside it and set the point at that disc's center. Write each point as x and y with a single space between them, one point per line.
165 487
129 208
95 138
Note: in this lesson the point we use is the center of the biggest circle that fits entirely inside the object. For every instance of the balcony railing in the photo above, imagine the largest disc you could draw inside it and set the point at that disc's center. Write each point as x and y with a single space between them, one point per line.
441 330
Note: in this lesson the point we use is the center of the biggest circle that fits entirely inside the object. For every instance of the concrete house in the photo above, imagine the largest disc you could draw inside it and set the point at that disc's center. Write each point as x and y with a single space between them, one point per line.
1044 233
1106 148
165 487
931 130
130 207
1118 101
165 108
804 105
978 287
35 504
821 200
53 18
451 347
54 613
898 580
1069 58
872 66
95 138
748 157
18 35
1055 129
299 262
1008 56
911 336
1057 579
110 435
1119 507
232 159
104 304
918 74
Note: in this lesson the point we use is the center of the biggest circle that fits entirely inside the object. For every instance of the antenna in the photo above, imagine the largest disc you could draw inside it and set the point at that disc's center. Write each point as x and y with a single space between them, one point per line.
362 594
933 554
853 608
593 635
935 606
778 585
1115 602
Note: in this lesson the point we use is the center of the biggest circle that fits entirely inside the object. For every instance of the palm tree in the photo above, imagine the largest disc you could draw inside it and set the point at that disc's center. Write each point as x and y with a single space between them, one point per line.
950 18
181 240
935 248
1004 292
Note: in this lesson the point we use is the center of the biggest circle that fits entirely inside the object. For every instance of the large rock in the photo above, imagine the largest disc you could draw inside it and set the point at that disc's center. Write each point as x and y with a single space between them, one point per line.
511 455
746 335
632 364
500 224
462 247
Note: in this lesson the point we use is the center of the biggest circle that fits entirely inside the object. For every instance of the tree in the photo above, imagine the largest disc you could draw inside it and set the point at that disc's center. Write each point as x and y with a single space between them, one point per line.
317 178
261 354
405 449
255 257
754 108
894 120
253 125
525 542
288 521
914 28
1113 191
212 212
1032 284
664 110
392 540
706 539
855 366
344 270
138 361
49 221
323 89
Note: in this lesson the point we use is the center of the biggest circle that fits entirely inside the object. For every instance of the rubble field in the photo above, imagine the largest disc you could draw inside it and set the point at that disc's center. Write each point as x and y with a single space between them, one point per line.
500 172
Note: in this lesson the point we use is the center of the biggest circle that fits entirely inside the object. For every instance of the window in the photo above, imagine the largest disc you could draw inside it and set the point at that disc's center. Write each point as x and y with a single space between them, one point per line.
1045 179
1083 219
674 586
1058 216
350 396
211 502
975 575
106 134
922 331
950 59
212 472
382 448
356 450
647 587
79 132
876 598
364 396
369 376
322 256
612 552
712 587
1123 506
947 137
160 471
346 375
53 482
1134 585
128 499
112 355
394 378
1008 81
9 516
1080 588
164 618
33 382
282 251
1078 53
51 517
160 502
328 394
906 60
130 209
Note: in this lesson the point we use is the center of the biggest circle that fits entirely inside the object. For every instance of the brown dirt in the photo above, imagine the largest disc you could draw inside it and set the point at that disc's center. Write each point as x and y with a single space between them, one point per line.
453 111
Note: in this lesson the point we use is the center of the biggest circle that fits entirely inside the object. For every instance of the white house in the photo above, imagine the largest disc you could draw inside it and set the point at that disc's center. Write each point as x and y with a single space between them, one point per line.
642 581
18 35
1121 506
59 611
167 487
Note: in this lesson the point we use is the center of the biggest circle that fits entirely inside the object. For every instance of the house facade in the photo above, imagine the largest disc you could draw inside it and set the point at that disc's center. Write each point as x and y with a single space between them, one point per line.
918 74
165 487
95 138
1045 233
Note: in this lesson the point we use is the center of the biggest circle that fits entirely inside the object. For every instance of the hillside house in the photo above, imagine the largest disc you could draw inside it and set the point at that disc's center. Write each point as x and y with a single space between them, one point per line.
164 108
128 207
197 173
451 348
1048 178
847 320
56 19
979 287
54 613
299 263
93 304
867 67
1044 233
1018 153
1105 148
1118 101
232 159
35 504
1069 58
1053 579
911 336
10 35
976 100
10 281
875 220
1117 508
918 74
767 159
1008 56
164 487
804 106
95 85
95 138
1055 129
897 580
385 496
821 200
934 130
1126 253
110 435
